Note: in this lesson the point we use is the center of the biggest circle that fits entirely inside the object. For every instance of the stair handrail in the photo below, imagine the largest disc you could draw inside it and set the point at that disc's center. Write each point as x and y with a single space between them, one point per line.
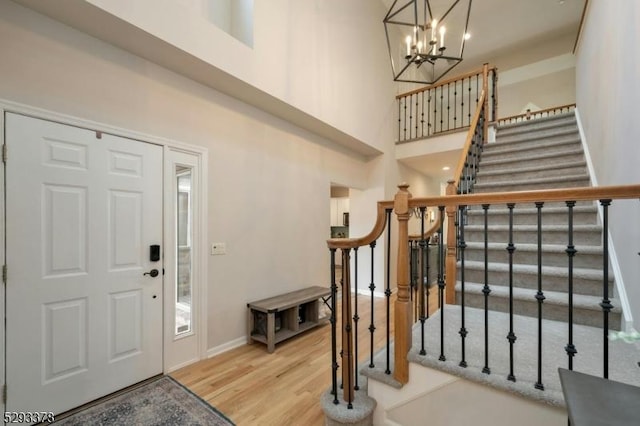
448 81
349 361
405 202
528 115
476 125
429 232
374 234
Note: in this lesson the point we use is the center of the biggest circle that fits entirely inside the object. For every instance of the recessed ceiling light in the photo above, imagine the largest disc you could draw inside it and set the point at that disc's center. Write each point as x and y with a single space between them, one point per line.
445 168
467 36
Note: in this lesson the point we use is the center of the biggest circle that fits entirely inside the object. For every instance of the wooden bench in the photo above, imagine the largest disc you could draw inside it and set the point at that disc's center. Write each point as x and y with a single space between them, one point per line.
278 318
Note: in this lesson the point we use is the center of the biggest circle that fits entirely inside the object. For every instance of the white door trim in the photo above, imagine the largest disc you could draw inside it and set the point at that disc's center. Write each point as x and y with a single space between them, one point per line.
200 264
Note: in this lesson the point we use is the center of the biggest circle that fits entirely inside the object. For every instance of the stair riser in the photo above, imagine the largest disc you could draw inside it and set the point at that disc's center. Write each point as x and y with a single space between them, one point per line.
516 151
541 135
580 237
485 188
527 126
562 158
549 311
580 260
484 178
581 285
584 218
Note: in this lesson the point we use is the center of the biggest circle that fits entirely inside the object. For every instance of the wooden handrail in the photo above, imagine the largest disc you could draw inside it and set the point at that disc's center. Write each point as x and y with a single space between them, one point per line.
469 140
542 111
378 228
444 82
547 195
429 232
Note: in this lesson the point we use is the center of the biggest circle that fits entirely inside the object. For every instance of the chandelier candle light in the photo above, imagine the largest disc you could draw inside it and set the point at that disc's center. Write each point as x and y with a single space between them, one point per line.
416 31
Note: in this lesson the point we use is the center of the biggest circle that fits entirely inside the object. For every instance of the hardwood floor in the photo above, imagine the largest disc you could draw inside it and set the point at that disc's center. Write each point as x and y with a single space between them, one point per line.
253 387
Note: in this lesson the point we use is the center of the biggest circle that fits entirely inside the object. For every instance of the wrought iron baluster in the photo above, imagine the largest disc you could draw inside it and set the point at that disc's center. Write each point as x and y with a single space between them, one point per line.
448 106
405 119
462 245
441 107
511 337
422 115
539 296
399 119
372 287
387 291
429 132
423 244
347 330
486 290
410 115
417 97
477 89
332 320
356 318
441 283
469 103
455 105
571 252
606 303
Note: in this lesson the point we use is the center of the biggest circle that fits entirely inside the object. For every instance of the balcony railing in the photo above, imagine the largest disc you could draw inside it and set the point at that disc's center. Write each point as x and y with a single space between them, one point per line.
447 106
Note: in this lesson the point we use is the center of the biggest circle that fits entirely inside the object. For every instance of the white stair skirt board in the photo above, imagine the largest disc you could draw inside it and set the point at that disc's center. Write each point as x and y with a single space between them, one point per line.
446 400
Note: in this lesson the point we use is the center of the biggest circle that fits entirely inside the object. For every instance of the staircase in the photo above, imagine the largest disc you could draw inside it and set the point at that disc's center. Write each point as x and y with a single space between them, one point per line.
538 154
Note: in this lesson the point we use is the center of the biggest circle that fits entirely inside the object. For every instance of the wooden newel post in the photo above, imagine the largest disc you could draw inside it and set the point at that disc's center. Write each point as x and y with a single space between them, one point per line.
451 261
348 363
403 313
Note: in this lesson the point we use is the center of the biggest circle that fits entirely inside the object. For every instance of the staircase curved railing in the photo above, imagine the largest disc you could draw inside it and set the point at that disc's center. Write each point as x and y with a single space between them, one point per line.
404 313
349 318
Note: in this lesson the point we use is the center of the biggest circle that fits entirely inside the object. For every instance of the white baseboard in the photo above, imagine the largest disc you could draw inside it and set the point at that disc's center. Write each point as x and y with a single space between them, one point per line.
232 344
621 293
366 292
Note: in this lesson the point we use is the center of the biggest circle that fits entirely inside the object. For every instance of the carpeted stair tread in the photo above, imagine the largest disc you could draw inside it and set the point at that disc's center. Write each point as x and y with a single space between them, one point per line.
580 301
587 340
555 271
544 168
542 156
546 136
544 122
536 181
533 248
523 146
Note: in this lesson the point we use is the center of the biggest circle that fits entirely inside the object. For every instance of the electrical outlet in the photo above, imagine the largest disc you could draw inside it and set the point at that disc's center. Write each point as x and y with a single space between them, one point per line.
218 248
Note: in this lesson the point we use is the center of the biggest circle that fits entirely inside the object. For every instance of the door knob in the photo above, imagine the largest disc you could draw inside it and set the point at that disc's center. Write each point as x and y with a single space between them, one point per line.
154 273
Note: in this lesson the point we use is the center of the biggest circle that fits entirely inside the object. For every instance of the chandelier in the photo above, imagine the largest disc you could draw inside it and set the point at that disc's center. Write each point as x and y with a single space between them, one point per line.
426 38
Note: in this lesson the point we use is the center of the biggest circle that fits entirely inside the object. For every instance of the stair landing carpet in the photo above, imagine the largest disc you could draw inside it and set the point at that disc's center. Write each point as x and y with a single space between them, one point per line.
161 402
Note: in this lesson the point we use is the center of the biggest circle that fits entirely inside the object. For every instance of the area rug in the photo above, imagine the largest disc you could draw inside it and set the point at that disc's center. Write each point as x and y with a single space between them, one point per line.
161 402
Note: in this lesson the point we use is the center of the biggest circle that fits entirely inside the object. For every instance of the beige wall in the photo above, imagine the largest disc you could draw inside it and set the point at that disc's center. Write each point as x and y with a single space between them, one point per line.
269 181
607 88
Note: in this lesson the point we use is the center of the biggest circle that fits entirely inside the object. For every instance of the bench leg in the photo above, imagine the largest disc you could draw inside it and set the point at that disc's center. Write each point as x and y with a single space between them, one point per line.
271 332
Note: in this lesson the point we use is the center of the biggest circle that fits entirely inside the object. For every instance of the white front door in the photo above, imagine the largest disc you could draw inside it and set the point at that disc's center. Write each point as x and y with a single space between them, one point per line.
82 210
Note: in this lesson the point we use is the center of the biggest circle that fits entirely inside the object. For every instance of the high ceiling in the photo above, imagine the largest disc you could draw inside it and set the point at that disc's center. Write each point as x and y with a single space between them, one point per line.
498 29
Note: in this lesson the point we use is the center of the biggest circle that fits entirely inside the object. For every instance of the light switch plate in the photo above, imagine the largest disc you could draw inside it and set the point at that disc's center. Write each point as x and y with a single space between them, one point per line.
218 248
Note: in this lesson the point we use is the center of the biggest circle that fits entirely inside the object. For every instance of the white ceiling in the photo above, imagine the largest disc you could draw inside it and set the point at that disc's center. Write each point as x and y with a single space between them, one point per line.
497 28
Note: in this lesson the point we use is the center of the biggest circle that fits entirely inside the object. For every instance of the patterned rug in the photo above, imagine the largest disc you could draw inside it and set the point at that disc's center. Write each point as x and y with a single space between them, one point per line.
160 402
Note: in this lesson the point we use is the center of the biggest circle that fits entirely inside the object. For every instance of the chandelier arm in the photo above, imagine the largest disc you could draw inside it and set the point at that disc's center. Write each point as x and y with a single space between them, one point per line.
450 9
390 15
